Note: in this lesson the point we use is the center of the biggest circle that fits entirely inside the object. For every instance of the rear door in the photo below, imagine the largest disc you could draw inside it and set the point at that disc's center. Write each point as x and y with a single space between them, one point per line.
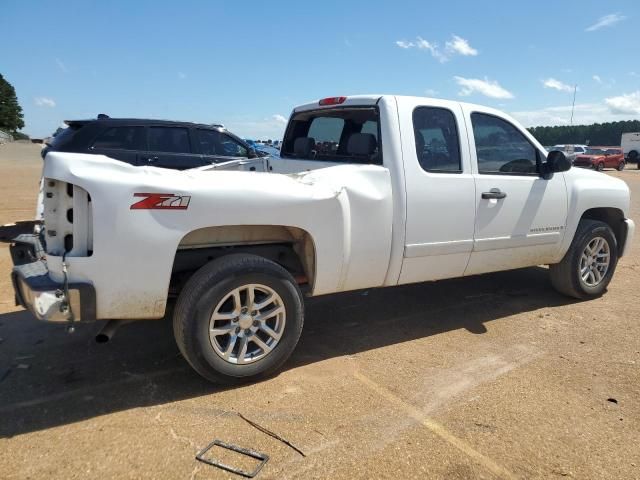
170 147
440 190
120 142
520 217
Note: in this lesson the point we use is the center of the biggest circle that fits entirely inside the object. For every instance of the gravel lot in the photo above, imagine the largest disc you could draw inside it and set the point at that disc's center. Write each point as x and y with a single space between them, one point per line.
494 376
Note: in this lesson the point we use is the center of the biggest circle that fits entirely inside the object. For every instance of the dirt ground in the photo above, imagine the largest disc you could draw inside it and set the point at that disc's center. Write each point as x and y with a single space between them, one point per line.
494 376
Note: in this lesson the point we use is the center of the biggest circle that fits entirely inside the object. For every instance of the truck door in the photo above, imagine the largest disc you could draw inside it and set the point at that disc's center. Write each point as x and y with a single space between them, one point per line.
520 217
440 191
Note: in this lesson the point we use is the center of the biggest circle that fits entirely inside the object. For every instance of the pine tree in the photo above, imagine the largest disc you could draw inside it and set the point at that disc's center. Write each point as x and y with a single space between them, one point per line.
10 110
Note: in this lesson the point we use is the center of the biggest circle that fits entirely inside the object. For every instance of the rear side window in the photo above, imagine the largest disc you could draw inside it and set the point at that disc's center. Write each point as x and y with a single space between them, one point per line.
501 147
121 138
169 140
437 140
348 135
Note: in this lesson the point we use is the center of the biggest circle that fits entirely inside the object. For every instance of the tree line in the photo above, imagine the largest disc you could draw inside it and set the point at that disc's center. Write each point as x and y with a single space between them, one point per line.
11 118
597 134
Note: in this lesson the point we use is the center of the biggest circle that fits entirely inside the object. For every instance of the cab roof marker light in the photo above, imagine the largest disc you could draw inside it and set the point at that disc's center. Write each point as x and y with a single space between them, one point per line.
332 101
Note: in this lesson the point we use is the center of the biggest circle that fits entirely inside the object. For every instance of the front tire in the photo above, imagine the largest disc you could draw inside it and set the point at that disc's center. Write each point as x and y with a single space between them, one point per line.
238 318
621 166
600 167
589 264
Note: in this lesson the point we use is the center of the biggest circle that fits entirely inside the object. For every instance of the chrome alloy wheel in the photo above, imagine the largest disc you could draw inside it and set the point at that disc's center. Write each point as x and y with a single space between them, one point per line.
594 262
247 324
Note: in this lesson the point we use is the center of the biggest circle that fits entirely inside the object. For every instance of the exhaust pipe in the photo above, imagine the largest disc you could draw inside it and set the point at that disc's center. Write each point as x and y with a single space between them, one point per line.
108 331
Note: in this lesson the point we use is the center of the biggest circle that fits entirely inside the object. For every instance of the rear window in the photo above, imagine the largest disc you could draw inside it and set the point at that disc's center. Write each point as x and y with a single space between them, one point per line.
349 135
169 139
63 135
121 138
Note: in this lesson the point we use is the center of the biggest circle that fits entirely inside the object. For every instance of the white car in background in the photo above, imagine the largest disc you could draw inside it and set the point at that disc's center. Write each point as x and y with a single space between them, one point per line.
570 151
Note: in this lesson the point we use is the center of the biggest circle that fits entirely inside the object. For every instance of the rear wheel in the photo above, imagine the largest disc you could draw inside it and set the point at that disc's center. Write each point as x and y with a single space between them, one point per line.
589 264
633 156
238 318
621 166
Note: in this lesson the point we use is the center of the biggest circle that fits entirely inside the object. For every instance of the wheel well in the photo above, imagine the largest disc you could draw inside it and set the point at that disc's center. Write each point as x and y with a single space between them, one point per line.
612 217
290 247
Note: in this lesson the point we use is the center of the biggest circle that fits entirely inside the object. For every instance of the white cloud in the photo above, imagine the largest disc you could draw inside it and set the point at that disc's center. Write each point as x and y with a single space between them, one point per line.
430 92
44 102
182 75
486 87
405 44
557 85
63 68
460 46
606 21
258 128
423 44
280 118
597 79
584 114
626 104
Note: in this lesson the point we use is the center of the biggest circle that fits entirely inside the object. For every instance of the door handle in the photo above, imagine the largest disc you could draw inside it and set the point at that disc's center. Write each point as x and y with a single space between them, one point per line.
152 159
494 193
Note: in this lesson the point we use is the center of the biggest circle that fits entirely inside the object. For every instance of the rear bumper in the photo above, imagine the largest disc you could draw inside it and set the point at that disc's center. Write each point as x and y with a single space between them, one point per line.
630 230
44 298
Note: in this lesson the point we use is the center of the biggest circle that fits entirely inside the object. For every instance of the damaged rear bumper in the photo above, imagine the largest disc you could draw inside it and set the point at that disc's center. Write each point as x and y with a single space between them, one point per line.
37 292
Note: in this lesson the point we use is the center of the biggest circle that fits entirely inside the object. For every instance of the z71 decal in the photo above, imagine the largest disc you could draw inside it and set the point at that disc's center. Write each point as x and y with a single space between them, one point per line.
161 201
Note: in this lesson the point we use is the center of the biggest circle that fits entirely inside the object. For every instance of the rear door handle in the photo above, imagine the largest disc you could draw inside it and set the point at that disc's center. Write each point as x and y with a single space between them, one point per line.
494 193
151 159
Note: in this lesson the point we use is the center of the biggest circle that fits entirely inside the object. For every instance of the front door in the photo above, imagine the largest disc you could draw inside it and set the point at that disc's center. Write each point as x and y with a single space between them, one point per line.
169 147
440 191
520 217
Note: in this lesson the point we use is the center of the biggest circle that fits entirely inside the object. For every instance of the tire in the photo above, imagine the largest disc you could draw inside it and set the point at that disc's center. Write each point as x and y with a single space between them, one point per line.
566 277
600 167
211 291
633 156
621 166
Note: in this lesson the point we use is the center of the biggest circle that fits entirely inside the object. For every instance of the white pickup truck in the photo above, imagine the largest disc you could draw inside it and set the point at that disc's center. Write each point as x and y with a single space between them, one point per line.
370 191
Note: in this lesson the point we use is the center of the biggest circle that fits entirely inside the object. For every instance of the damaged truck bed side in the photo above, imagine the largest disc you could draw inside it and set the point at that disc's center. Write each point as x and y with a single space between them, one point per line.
370 191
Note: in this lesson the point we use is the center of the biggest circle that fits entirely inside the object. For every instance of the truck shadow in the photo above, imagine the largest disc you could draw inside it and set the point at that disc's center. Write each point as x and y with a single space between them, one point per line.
49 378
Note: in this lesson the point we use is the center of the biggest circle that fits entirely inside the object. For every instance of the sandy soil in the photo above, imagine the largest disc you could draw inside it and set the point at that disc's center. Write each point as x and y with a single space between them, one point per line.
495 376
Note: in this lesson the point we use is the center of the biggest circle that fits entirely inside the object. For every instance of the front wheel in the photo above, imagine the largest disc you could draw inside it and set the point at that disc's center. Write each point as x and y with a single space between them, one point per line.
588 266
600 167
238 318
621 166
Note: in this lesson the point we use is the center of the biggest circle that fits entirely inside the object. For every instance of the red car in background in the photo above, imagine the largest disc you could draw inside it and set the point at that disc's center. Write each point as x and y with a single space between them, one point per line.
600 158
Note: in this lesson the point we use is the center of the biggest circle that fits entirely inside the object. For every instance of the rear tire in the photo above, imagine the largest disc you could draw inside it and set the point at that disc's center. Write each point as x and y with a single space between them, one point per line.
584 258
621 166
224 321
633 156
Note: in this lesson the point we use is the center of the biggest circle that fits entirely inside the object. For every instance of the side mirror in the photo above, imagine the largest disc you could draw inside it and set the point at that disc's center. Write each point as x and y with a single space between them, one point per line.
557 161
252 153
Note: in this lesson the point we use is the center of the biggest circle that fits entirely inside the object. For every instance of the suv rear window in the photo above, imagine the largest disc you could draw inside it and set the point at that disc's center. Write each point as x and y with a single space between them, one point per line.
63 135
169 139
349 135
121 138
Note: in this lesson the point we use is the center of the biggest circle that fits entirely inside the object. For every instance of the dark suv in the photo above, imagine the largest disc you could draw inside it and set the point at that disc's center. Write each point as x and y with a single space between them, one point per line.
161 143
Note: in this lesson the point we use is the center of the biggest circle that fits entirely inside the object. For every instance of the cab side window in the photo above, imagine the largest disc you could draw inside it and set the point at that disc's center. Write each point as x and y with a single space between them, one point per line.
437 140
501 148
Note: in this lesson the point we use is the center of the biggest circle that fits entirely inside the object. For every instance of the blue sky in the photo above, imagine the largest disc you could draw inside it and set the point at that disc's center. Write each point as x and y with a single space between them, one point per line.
246 64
